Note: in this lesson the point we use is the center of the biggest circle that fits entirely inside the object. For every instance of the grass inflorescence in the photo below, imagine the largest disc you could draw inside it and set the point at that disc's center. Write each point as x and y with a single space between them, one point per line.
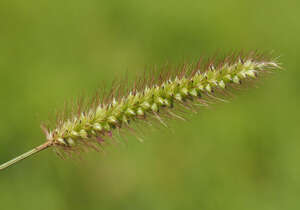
154 97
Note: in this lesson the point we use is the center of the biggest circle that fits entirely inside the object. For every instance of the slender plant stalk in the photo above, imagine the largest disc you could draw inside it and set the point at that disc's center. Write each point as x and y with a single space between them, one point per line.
164 97
26 155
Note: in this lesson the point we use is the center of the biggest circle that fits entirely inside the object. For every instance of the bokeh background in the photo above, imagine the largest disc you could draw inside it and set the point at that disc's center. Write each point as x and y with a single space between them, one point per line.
240 155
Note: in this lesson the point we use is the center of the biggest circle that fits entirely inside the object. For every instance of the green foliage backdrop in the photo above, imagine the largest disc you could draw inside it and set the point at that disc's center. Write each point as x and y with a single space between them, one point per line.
240 155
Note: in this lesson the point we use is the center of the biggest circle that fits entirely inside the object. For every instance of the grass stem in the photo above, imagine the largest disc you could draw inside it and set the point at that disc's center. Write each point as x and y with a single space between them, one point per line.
25 155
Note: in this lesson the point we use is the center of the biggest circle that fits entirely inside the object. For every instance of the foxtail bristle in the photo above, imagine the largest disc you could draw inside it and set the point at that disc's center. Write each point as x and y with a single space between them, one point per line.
156 97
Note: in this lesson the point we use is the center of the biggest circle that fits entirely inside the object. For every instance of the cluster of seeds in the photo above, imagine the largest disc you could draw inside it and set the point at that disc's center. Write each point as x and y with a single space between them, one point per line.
95 123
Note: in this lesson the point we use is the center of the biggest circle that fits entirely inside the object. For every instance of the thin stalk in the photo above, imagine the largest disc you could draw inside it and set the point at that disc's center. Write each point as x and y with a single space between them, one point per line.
26 155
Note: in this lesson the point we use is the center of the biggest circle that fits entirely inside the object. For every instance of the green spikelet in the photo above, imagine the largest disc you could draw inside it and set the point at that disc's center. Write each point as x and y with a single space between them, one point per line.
185 86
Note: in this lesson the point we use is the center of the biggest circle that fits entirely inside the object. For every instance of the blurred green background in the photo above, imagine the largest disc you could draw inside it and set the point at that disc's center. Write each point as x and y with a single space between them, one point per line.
240 155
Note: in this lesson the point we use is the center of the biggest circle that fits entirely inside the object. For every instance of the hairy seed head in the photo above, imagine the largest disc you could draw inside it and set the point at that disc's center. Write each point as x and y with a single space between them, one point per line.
186 86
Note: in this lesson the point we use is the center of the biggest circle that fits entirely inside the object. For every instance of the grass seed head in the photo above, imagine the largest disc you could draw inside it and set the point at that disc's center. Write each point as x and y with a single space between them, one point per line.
156 97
